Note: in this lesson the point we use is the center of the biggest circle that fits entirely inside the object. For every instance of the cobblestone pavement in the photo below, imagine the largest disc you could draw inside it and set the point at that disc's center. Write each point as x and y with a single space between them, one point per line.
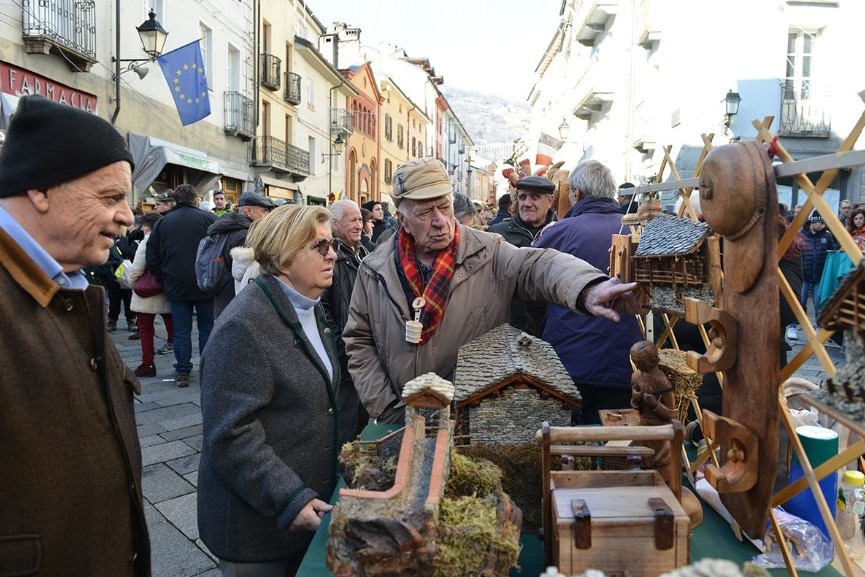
169 427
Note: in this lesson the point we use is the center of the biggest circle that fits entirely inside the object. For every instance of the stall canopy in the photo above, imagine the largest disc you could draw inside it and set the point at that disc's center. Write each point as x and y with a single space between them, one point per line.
151 155
8 104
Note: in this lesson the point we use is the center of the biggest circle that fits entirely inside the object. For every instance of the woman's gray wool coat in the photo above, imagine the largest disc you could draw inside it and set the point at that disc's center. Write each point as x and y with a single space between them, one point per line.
269 419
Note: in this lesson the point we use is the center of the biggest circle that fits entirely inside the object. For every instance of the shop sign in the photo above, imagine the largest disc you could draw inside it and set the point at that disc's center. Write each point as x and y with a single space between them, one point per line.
18 82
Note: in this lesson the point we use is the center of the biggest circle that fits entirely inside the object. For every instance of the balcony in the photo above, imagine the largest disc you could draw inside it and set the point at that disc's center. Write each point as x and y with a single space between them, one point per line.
651 22
292 88
593 102
593 15
63 27
340 120
270 66
283 159
239 115
804 113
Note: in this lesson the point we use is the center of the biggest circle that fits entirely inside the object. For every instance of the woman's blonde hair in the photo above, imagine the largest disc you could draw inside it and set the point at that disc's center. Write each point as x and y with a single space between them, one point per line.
277 238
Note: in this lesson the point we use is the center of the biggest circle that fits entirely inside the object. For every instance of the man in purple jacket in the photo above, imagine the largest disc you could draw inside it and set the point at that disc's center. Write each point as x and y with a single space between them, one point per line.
593 350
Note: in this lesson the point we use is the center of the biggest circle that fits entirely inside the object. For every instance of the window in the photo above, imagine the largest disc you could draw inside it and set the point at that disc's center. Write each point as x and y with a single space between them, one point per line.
388 128
800 51
310 146
207 53
310 93
400 137
158 7
232 79
388 171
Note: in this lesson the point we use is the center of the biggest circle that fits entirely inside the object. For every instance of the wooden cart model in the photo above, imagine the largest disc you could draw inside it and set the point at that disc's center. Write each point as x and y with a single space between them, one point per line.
623 522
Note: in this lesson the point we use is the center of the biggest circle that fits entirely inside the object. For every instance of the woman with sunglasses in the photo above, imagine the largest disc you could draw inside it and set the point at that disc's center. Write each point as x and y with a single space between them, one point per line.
269 379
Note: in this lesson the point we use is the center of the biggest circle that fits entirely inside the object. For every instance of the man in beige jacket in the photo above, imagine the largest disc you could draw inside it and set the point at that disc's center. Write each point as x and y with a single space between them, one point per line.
457 282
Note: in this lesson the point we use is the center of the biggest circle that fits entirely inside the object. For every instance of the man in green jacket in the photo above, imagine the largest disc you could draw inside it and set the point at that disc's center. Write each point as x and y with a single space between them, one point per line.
459 283
70 462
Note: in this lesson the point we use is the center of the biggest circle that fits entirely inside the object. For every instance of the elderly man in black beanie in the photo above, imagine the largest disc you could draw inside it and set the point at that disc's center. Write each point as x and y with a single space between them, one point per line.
71 463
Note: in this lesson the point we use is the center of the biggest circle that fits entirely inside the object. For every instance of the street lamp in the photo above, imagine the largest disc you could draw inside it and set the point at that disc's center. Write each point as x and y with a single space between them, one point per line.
731 103
152 36
564 129
338 145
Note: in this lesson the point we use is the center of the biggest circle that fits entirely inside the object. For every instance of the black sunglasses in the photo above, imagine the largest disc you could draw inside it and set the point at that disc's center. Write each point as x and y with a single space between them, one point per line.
322 246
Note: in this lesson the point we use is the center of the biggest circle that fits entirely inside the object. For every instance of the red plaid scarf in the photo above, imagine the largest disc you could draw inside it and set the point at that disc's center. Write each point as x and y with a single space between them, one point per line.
436 291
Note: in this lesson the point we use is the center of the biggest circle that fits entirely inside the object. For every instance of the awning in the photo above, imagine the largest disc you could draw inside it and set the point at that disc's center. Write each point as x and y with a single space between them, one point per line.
152 154
8 104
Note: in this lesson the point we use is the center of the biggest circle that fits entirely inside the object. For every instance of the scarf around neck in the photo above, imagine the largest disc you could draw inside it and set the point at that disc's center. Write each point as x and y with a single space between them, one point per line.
436 290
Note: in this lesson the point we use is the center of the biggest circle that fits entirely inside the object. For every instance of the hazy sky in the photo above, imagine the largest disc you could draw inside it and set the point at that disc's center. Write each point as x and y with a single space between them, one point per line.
491 46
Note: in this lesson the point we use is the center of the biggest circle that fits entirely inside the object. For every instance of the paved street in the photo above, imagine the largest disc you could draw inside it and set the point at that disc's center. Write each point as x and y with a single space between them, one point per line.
169 426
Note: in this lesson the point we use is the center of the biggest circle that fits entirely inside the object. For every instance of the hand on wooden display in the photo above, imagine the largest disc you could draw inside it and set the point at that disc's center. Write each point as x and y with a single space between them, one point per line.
310 516
605 298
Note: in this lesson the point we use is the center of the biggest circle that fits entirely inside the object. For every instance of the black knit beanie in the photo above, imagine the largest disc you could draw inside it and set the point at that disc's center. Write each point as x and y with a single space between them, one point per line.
49 144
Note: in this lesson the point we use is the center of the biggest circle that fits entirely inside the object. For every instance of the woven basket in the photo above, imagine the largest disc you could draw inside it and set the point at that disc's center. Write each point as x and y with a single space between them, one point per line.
685 380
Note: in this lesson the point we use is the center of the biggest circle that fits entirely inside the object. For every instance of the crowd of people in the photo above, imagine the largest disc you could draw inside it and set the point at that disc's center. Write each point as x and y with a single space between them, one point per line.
304 335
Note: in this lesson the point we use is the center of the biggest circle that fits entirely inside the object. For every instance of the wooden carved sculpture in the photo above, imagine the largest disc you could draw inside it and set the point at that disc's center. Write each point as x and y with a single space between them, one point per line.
652 395
737 192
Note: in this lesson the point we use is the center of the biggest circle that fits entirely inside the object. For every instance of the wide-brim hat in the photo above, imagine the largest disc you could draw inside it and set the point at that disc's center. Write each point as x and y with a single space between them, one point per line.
420 179
736 183
255 199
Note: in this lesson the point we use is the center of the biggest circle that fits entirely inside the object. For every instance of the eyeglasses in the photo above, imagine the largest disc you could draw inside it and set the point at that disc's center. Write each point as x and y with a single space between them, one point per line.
322 246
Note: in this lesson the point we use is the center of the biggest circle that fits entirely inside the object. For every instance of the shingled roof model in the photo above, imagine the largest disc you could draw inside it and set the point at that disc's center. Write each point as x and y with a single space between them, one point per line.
845 307
667 235
505 352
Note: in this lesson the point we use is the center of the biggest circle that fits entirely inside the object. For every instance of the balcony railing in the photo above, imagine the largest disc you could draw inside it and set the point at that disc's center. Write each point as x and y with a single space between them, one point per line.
66 27
292 88
280 156
340 120
239 115
270 66
804 113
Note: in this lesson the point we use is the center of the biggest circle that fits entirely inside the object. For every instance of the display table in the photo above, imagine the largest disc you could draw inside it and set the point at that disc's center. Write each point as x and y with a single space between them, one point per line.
712 539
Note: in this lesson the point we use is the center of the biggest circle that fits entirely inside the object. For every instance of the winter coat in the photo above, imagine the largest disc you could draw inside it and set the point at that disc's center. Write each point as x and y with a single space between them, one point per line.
244 267
269 427
525 315
235 226
594 350
172 249
814 246
337 297
70 460
155 305
488 273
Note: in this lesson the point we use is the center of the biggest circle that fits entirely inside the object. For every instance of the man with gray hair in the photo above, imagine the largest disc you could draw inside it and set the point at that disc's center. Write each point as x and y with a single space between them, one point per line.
604 376
347 226
457 282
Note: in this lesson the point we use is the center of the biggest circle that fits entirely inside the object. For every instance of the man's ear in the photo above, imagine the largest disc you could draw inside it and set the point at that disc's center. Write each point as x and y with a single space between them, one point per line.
39 198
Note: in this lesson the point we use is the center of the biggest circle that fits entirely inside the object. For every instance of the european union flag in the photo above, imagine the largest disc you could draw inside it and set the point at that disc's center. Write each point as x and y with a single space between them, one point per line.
184 71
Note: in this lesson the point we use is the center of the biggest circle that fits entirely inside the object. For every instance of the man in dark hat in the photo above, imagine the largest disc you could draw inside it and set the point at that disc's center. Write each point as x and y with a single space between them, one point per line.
164 201
815 242
534 212
504 211
457 281
71 462
235 225
171 252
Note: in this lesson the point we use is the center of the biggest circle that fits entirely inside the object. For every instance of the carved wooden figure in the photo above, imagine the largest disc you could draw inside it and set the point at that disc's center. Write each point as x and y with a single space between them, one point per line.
737 192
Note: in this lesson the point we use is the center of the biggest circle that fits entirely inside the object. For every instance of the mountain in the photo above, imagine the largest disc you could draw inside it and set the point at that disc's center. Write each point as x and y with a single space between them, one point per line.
488 119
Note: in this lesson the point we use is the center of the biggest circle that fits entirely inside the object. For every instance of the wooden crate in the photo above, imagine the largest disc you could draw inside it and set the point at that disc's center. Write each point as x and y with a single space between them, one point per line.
607 520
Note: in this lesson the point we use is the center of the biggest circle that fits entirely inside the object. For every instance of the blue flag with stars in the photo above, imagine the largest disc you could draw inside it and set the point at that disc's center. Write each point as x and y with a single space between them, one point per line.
184 71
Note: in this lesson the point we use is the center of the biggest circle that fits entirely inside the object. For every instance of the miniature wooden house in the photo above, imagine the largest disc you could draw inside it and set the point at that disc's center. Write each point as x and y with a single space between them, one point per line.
672 262
506 383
